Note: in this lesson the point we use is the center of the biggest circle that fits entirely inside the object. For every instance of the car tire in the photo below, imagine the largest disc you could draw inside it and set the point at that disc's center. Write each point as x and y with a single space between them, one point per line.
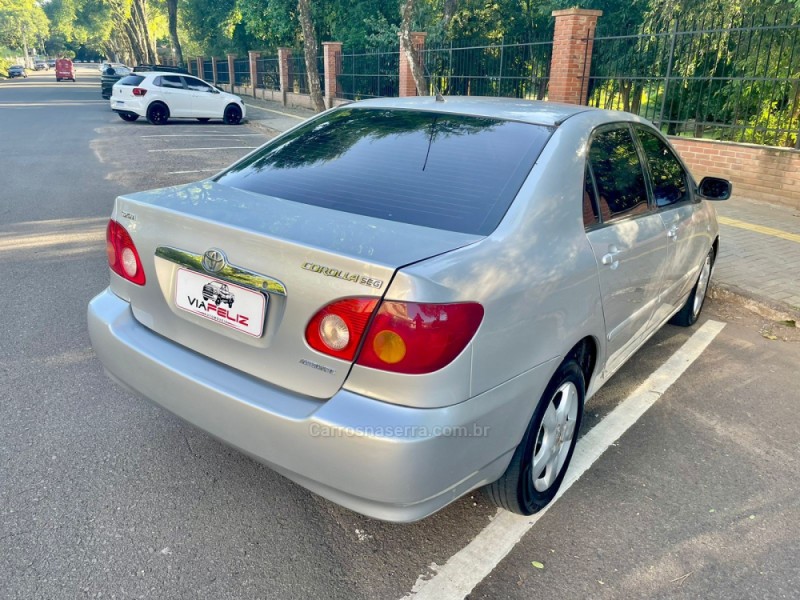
233 115
157 113
547 446
203 119
687 316
128 116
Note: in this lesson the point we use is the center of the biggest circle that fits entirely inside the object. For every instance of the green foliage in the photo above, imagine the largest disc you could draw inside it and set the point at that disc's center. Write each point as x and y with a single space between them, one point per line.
22 19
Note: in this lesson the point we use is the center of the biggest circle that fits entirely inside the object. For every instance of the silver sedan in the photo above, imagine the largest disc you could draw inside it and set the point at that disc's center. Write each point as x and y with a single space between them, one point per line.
402 300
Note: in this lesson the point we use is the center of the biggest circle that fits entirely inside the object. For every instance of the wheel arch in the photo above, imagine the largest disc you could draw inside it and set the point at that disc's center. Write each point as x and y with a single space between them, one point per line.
161 102
585 354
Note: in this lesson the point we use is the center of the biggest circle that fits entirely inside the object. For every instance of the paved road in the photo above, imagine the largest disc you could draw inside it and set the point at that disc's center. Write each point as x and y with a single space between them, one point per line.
103 494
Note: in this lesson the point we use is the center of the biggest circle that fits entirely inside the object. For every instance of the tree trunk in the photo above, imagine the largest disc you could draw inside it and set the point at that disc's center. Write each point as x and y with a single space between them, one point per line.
142 43
310 50
407 50
172 16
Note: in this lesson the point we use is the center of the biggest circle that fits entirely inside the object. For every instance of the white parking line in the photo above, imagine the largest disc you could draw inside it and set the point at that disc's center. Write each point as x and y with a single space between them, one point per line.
214 148
48 104
470 565
172 135
277 112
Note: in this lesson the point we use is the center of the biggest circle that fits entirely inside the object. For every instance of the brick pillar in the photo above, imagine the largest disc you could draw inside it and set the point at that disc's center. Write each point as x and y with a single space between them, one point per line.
407 85
214 72
232 72
284 70
199 61
571 63
253 70
332 54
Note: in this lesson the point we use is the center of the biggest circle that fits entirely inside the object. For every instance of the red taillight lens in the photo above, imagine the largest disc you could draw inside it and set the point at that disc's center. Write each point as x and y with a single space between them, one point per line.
336 330
139 91
123 258
416 338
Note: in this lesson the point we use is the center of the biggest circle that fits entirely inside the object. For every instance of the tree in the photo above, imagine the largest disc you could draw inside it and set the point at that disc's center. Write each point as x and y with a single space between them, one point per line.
23 23
310 49
407 51
172 16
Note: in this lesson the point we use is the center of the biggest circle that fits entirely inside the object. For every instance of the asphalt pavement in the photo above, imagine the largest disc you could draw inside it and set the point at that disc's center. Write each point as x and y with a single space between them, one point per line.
105 495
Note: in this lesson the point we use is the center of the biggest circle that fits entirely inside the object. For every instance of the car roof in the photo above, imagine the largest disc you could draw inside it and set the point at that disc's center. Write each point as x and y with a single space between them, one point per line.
510 109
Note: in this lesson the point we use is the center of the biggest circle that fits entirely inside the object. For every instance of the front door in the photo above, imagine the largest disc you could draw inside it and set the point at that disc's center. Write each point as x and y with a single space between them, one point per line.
674 201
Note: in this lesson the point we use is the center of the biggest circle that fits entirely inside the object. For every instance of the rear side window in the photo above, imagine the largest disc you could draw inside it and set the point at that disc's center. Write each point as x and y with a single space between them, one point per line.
617 174
131 80
169 81
452 172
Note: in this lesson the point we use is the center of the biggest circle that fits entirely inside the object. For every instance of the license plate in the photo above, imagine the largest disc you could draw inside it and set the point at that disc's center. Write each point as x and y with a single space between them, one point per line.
225 303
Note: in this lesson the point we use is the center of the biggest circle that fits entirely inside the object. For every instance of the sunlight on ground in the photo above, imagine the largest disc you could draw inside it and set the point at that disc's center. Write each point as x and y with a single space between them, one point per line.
53 233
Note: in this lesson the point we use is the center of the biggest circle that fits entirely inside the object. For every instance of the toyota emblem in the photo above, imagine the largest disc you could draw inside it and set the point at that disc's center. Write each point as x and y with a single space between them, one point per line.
214 260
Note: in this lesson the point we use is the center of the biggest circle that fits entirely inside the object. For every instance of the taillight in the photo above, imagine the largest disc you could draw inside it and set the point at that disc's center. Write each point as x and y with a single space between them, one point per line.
123 258
403 337
336 330
416 338
139 91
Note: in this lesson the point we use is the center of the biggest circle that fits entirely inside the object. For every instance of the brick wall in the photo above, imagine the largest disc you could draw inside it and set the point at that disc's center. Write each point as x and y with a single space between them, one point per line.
758 172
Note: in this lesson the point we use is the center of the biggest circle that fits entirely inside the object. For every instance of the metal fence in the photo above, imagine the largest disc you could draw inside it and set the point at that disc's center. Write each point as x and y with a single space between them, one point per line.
241 71
368 74
727 78
223 76
268 74
298 73
511 70
208 70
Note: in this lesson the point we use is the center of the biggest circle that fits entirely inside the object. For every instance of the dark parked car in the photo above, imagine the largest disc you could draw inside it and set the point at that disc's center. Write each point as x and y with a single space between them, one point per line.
110 76
162 68
16 71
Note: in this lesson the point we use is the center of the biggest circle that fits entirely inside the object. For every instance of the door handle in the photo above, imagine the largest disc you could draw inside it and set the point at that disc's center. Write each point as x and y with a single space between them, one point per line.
672 233
610 258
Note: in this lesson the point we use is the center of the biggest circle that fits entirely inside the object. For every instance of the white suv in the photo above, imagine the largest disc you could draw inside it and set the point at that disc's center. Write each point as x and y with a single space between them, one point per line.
160 96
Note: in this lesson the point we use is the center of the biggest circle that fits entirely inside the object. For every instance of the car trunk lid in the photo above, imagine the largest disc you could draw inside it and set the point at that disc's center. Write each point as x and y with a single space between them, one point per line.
301 257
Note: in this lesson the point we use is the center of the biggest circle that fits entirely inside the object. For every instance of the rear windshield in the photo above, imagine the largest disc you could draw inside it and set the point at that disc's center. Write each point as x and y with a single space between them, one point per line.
452 172
131 80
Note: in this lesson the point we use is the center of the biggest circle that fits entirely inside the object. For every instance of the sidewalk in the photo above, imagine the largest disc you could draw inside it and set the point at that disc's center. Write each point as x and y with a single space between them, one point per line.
759 255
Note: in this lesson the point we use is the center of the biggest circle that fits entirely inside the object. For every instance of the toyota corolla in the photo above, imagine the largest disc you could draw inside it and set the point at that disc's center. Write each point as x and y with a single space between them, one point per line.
426 293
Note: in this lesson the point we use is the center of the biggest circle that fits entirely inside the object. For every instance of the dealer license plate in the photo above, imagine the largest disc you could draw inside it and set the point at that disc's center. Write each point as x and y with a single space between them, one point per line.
225 303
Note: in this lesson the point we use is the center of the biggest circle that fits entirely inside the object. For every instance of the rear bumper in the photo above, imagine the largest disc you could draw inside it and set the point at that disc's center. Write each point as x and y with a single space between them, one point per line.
386 461
127 106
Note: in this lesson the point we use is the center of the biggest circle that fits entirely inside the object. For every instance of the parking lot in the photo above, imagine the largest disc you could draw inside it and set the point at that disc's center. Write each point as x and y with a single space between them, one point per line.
105 495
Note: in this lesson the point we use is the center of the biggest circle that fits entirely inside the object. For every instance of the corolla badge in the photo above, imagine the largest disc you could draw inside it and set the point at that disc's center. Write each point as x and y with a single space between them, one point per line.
214 260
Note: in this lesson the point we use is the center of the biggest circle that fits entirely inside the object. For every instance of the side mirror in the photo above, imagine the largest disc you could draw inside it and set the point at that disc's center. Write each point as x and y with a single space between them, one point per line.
715 188
214 90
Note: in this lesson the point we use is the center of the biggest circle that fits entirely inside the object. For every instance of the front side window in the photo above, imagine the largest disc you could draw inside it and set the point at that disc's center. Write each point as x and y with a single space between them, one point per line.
666 171
197 85
618 174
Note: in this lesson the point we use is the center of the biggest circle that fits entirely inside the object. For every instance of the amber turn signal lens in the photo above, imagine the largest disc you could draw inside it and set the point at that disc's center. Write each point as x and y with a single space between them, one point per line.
389 347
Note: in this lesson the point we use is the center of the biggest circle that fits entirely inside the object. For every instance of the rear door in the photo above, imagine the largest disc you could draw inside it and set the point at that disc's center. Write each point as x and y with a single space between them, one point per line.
174 93
628 240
